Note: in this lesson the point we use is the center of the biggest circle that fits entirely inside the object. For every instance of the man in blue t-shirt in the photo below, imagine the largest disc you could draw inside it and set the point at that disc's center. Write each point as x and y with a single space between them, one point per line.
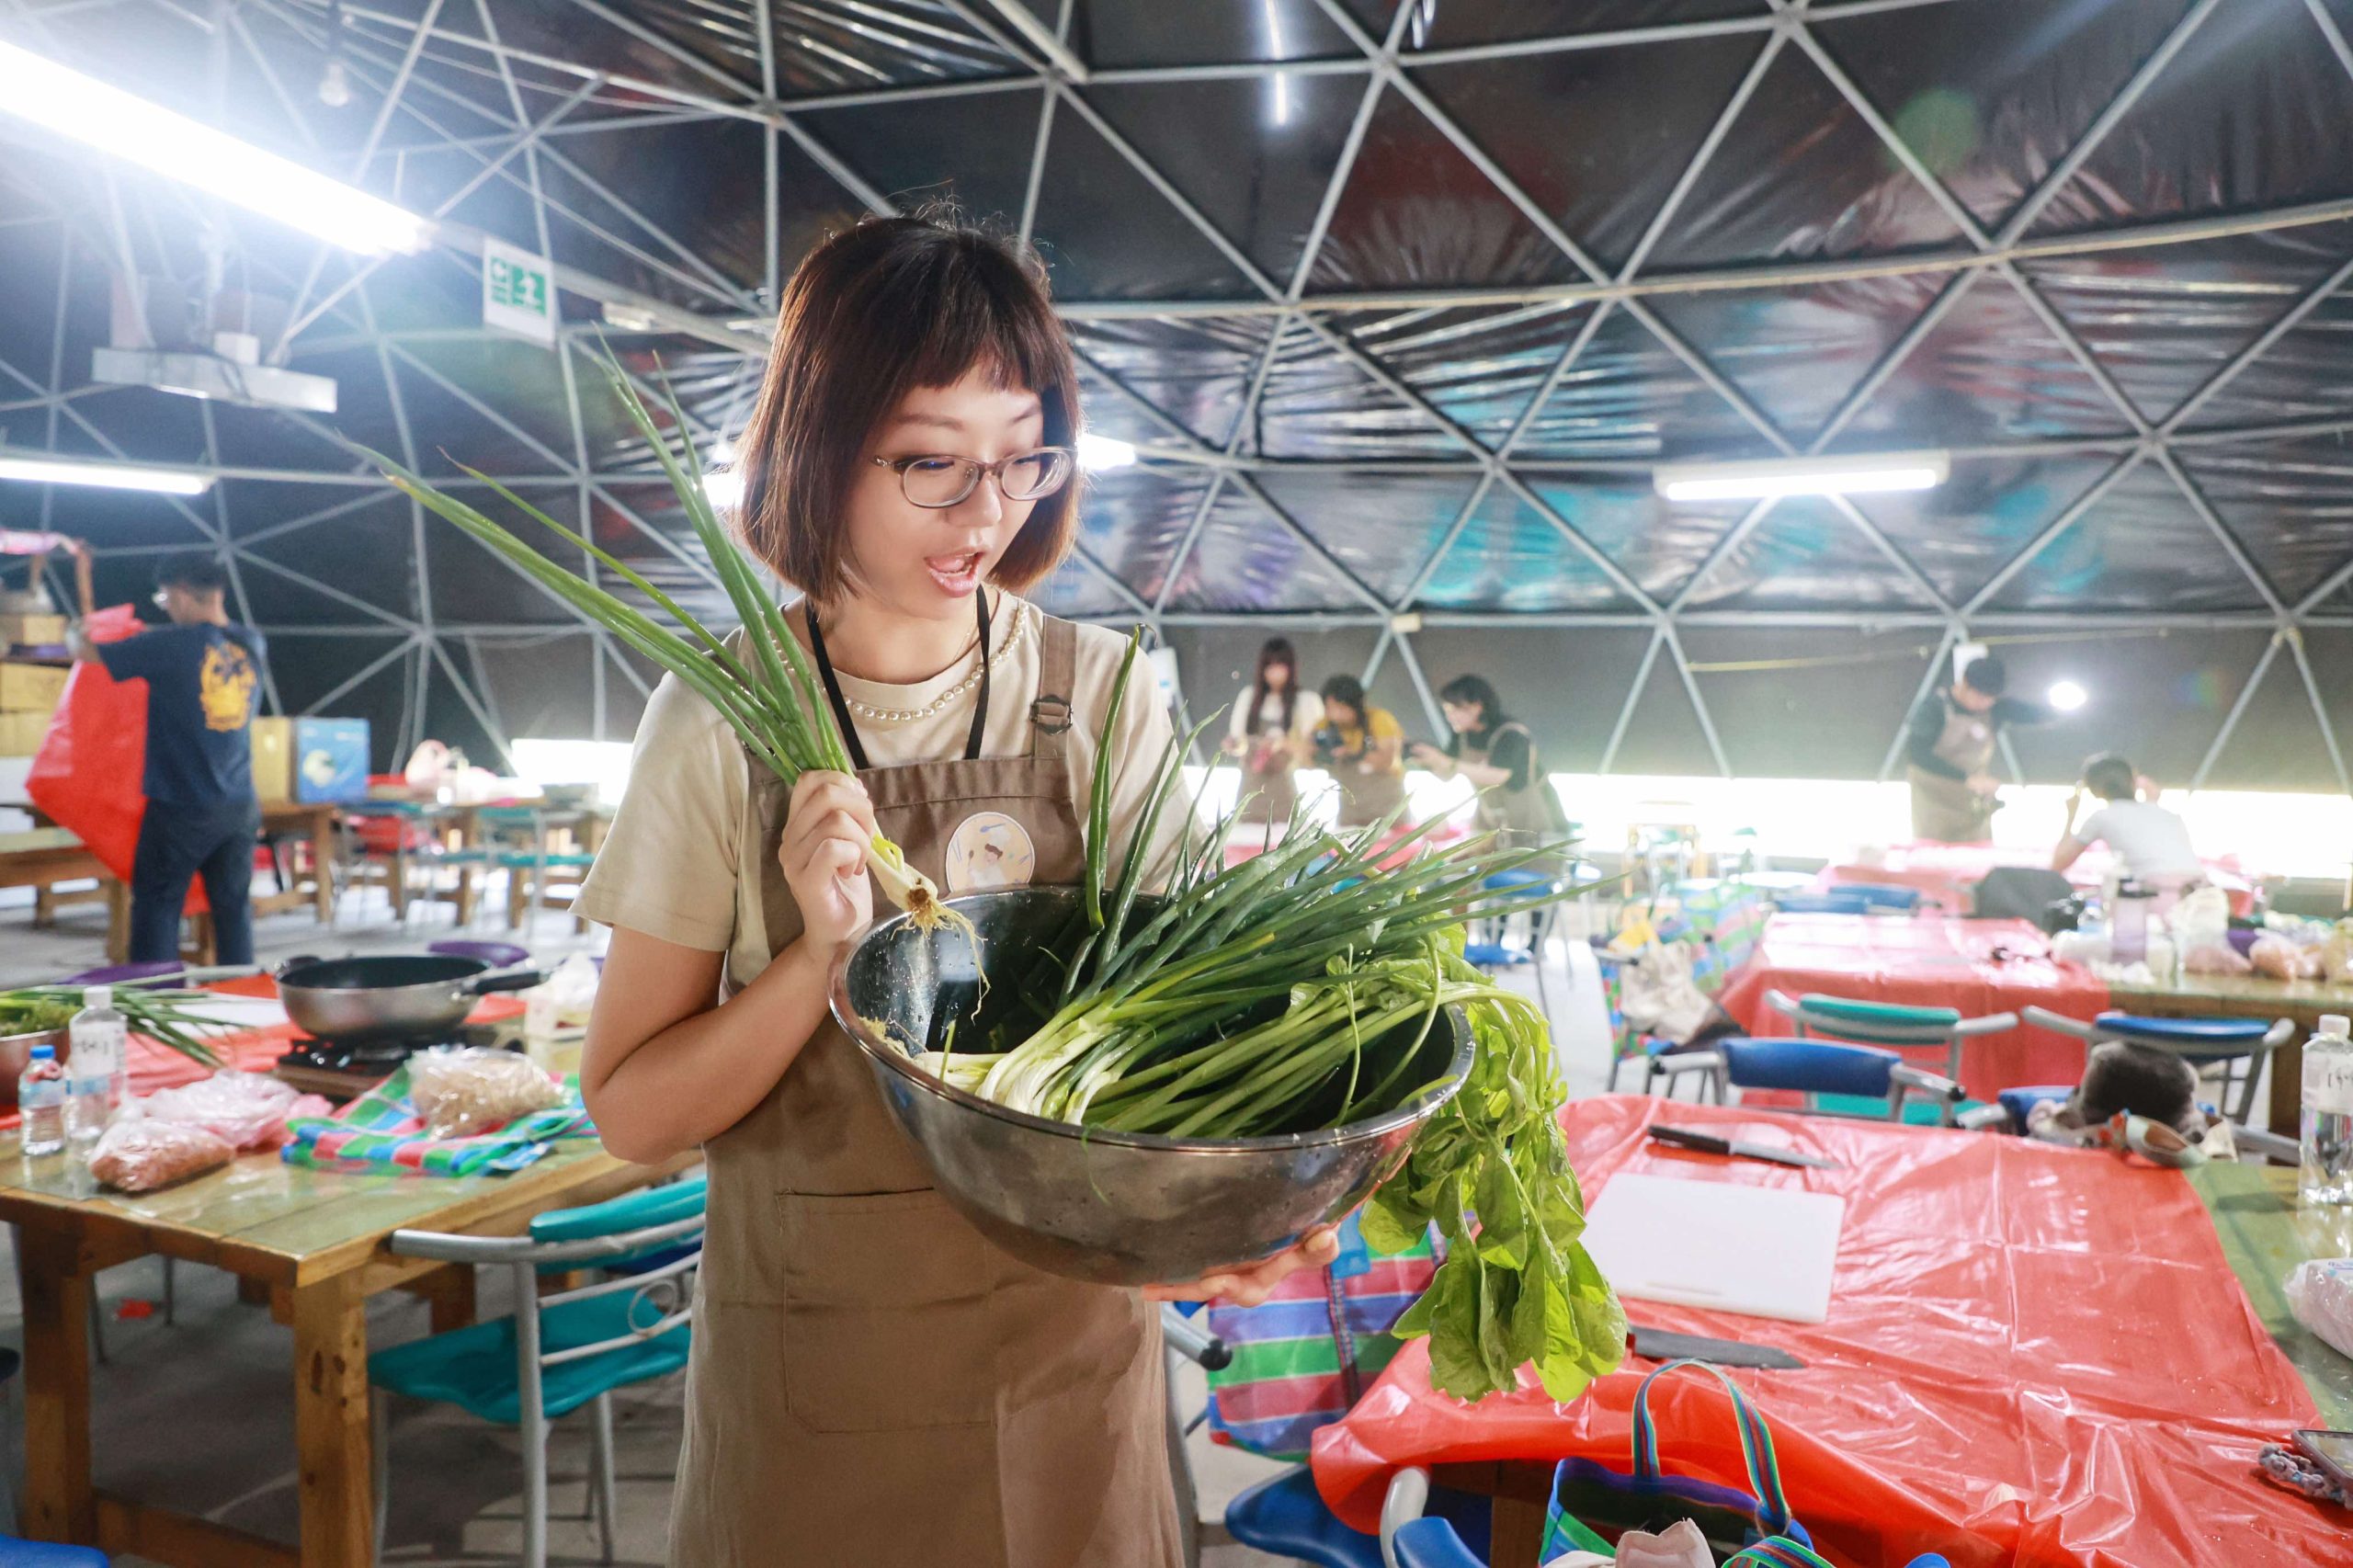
203 673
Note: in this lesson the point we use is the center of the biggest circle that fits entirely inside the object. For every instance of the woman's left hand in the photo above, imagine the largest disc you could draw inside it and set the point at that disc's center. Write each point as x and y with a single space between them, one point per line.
1250 1286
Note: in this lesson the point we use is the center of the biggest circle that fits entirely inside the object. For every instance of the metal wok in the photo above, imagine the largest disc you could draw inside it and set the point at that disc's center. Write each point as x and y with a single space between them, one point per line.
352 1001
1109 1208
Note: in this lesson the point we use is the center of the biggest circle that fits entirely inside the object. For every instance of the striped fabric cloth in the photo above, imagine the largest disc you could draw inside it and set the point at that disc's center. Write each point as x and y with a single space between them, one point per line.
1304 1358
381 1131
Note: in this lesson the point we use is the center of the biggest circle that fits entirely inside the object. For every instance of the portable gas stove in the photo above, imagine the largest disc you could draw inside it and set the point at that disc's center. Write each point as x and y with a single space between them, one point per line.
345 1071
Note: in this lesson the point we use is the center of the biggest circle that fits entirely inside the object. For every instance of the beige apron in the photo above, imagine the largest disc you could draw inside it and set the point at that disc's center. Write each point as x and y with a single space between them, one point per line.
1522 817
1947 811
872 1384
1364 797
1268 792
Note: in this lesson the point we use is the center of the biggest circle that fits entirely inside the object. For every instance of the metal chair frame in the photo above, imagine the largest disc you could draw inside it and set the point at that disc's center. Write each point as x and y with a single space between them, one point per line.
1859 1031
526 1257
1903 1080
2241 1060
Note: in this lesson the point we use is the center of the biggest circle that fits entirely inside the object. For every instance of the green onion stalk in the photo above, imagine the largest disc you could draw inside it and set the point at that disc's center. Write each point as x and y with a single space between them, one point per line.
765 690
1295 992
172 1017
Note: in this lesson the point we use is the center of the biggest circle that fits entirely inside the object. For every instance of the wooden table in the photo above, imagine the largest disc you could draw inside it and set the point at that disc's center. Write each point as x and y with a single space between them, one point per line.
42 857
314 1241
313 820
2248 996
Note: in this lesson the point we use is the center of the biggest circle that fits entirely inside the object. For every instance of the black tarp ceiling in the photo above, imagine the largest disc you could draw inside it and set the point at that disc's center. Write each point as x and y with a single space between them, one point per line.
1403 305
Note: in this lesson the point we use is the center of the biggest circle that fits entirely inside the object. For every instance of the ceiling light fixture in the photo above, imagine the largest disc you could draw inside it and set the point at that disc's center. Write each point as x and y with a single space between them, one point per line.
105 476
2066 696
1096 453
1281 114
1861 475
172 145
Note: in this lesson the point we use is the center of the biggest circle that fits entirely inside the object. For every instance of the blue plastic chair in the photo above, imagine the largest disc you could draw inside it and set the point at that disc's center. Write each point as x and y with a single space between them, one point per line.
560 1352
2236 1046
1813 1067
1286 1518
15 1553
1881 898
1888 1024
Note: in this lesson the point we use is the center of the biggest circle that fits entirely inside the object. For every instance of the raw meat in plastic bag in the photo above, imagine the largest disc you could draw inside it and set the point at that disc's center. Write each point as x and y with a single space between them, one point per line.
467 1091
140 1153
2320 1292
2281 959
248 1109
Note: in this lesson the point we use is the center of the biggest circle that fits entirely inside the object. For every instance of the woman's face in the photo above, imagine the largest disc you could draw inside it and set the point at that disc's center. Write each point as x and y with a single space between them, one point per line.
1277 677
1342 714
1463 717
927 564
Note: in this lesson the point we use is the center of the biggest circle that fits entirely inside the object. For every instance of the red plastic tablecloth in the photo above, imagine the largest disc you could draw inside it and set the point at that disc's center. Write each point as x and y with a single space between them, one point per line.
1947 872
1928 961
154 1067
2034 1355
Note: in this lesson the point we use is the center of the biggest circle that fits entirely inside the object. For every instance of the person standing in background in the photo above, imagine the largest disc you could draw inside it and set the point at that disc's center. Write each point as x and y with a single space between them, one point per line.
1363 749
2150 842
1950 748
1269 730
1498 754
203 674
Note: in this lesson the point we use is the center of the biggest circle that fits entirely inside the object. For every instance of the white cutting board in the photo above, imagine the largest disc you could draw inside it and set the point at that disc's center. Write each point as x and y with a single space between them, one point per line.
1764 1252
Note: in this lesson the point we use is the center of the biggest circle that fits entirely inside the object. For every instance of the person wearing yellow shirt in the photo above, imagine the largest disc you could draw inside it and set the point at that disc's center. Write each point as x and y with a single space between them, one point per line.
1362 747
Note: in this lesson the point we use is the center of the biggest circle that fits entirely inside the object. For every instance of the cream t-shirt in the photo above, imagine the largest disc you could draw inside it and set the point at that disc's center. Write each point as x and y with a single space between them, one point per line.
670 866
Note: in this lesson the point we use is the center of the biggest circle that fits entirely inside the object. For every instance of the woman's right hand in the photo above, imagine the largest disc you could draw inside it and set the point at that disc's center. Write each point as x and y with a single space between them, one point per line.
824 856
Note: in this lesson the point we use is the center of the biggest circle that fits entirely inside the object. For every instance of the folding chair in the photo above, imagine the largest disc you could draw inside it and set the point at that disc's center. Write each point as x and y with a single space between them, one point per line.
2236 1046
562 1351
1813 1067
1887 1023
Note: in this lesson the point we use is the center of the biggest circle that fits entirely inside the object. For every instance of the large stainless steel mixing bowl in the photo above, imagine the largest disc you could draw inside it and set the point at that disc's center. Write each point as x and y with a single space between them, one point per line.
1109 1208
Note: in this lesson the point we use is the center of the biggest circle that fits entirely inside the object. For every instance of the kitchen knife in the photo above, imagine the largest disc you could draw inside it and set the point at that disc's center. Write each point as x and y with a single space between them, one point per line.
1660 1345
1708 1143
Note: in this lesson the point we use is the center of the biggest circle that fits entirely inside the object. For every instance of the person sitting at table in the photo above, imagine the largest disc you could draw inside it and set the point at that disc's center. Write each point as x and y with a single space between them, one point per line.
1951 746
1268 732
2150 843
1362 747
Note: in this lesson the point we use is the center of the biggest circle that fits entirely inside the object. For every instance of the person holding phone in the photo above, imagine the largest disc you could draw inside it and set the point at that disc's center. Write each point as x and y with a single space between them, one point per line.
1268 732
1498 754
1362 747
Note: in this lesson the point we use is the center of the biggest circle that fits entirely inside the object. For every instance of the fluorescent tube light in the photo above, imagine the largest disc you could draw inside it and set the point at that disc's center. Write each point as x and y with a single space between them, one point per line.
1801 476
105 476
172 145
1098 452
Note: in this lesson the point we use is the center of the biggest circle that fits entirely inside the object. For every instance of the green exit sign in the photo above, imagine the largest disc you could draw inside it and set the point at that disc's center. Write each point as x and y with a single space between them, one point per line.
518 294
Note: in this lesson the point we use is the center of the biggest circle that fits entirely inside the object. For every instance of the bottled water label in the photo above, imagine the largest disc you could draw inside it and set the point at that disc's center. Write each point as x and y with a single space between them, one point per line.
2328 1081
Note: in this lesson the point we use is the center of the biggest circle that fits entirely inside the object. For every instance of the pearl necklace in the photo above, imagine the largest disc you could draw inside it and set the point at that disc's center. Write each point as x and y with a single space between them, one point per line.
946 698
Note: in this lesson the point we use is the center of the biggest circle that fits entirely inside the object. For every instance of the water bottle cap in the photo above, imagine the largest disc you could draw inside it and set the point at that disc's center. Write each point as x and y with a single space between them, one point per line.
2337 1024
44 1051
94 997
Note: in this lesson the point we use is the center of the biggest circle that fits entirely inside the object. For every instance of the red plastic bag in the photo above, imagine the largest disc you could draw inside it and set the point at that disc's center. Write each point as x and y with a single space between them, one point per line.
87 774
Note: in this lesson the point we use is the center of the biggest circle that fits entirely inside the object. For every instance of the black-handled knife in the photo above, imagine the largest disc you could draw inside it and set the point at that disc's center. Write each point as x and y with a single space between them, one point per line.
1661 1344
1709 1144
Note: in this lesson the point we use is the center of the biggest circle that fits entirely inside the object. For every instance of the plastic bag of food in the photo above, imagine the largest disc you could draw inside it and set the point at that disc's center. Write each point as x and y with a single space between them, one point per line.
140 1153
469 1090
2282 959
2320 1292
2216 958
248 1109
2201 919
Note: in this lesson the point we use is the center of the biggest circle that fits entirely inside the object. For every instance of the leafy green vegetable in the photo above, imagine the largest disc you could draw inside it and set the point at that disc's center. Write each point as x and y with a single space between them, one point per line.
170 1016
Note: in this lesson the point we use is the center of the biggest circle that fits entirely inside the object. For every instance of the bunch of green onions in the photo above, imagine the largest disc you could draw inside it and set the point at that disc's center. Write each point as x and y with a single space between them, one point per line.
170 1016
767 693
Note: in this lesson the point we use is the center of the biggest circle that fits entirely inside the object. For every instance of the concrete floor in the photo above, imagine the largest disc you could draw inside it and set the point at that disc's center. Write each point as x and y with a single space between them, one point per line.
169 1391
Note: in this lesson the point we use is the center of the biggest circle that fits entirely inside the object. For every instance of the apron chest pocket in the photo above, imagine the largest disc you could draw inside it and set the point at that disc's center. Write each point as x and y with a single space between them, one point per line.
890 1314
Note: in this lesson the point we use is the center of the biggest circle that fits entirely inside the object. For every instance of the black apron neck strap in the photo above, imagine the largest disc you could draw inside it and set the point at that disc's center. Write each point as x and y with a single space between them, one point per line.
841 708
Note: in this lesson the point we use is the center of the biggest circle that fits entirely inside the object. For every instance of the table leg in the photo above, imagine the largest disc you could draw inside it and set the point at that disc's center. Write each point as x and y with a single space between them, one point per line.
56 1294
2286 1114
117 920
331 1426
1518 1528
322 864
44 907
450 1292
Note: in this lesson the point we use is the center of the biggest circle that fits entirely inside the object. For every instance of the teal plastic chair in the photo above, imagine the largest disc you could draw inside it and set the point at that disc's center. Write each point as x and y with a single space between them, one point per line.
1892 1024
560 1352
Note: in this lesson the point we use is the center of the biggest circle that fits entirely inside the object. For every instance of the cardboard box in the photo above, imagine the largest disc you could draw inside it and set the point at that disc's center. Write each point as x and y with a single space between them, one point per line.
20 733
310 759
30 689
31 629
273 744
330 759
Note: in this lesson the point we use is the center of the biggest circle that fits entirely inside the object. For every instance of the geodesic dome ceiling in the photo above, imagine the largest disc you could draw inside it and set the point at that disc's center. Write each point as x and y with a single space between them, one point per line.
1401 304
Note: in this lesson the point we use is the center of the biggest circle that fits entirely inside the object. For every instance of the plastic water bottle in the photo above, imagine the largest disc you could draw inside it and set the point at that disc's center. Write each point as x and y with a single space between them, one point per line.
40 1095
100 1070
2327 1142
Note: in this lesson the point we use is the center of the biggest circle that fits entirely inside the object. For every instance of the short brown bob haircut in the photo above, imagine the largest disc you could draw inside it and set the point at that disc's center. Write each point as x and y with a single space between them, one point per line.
870 315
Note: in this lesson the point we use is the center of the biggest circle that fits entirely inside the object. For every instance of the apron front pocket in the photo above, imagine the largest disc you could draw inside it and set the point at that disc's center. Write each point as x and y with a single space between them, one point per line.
891 1313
